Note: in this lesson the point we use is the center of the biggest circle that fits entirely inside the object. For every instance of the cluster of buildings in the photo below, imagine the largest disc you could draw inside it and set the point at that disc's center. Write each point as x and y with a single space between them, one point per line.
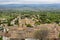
22 32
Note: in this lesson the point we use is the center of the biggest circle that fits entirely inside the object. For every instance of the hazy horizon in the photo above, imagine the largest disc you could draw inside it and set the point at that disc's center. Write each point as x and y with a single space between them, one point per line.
29 1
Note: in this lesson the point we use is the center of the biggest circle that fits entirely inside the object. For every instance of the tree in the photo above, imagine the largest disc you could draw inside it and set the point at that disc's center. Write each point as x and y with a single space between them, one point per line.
17 22
41 34
59 35
29 25
0 37
47 21
43 18
37 23
57 21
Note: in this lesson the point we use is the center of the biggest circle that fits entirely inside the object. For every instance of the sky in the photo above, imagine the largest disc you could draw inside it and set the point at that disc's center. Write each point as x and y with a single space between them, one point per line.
29 1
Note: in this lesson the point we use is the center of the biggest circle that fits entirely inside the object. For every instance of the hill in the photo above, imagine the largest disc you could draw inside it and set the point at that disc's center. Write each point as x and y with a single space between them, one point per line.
31 6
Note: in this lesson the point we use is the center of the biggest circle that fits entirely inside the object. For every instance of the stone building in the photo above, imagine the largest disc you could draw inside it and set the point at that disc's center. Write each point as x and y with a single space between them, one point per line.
22 32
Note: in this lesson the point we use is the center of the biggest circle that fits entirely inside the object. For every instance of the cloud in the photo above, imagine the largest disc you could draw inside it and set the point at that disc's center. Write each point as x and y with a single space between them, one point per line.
28 1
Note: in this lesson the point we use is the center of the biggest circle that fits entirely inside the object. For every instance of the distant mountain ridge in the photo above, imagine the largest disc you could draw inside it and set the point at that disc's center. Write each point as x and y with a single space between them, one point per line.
31 6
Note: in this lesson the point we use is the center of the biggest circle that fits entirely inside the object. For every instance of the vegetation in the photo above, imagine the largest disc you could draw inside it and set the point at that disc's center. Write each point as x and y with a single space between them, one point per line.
42 16
37 23
59 35
16 22
29 25
0 38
